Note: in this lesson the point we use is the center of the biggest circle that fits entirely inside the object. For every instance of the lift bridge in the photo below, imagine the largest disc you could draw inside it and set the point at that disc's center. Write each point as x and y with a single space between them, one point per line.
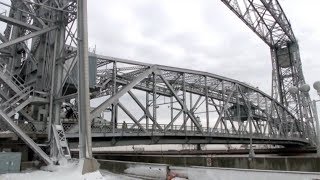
140 103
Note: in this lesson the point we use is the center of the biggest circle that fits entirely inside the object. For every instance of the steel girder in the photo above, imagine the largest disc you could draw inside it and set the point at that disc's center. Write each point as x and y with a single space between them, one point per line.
267 19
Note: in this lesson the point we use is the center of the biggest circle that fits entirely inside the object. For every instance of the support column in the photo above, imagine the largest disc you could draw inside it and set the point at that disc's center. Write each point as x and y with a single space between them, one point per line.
85 144
184 104
147 105
171 111
147 108
191 110
154 101
83 80
57 72
207 105
114 105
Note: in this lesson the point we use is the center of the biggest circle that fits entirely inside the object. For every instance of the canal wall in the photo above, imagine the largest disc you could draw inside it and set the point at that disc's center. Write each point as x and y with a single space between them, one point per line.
305 163
163 171
146 170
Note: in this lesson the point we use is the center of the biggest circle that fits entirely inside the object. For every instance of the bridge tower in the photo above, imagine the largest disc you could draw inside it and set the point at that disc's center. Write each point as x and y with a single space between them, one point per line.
267 19
35 63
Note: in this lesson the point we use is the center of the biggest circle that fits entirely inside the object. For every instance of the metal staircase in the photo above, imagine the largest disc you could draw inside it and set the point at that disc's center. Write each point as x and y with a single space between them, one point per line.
20 97
11 85
10 82
61 141
16 102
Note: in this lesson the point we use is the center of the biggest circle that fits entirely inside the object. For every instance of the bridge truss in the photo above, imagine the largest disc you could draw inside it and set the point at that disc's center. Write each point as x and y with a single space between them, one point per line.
174 105
143 103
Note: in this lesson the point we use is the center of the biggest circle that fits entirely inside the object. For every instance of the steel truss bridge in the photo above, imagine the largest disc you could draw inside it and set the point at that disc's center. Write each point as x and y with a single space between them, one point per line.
142 103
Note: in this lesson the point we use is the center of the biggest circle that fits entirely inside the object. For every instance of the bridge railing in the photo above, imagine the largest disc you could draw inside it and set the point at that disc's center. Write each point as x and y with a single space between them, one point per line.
25 126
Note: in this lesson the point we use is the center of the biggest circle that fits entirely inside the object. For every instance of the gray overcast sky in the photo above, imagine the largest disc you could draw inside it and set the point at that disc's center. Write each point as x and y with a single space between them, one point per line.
199 34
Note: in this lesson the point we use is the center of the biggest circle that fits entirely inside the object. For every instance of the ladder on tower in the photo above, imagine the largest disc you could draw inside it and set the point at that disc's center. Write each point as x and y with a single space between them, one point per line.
61 141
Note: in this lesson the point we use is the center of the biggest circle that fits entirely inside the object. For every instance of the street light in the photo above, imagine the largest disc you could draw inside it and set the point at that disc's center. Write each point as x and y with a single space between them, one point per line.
293 90
316 86
304 88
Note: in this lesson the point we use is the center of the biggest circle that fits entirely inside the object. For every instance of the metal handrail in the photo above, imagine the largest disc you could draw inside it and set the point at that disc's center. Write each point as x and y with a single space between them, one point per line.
17 80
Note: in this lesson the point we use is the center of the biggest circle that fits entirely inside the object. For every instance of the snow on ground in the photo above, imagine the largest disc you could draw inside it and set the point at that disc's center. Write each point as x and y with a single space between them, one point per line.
69 171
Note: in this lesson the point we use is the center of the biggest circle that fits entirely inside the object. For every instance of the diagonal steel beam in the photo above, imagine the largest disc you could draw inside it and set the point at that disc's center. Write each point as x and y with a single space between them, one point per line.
3 38
224 108
26 37
139 120
16 22
25 138
98 110
214 104
195 108
125 110
249 113
33 14
67 75
181 103
173 120
147 112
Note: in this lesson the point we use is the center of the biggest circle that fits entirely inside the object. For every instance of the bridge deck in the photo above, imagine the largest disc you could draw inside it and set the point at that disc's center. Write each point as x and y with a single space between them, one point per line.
175 135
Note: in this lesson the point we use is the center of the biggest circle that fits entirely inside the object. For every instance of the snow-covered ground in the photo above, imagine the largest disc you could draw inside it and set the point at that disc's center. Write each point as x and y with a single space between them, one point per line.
69 171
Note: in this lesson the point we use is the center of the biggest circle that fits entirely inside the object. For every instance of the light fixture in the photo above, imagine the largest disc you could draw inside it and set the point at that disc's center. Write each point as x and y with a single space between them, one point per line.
305 88
316 86
293 90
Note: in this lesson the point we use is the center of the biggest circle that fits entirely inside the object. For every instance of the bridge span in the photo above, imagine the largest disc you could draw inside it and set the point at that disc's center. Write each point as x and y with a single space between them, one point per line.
139 103
196 107
155 104
105 138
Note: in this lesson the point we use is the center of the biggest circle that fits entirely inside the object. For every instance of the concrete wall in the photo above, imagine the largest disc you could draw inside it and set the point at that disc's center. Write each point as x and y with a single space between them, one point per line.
308 164
10 162
163 171
26 152
195 173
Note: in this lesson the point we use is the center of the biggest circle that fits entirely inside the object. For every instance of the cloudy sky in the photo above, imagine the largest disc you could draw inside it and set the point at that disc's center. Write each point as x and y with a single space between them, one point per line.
199 34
